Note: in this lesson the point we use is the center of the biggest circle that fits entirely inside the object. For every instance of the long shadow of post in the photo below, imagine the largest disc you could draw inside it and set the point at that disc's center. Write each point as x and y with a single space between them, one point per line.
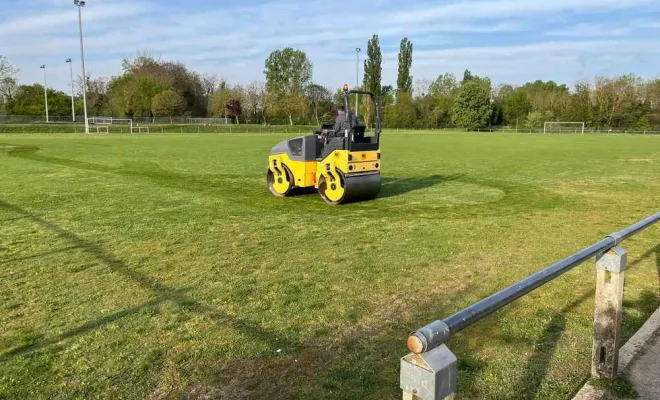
635 313
256 378
539 363
249 328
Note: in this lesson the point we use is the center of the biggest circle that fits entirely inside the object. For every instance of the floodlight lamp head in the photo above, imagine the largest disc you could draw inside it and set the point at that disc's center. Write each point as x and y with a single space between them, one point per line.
43 66
358 49
68 60
79 3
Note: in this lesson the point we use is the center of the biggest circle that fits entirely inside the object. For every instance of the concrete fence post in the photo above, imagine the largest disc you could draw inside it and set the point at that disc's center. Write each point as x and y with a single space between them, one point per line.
430 375
610 276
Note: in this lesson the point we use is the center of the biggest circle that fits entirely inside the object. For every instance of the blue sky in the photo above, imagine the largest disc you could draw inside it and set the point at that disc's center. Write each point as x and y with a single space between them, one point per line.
511 41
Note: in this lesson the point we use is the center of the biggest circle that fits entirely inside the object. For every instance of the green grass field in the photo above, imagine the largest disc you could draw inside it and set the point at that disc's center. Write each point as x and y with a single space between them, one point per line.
161 267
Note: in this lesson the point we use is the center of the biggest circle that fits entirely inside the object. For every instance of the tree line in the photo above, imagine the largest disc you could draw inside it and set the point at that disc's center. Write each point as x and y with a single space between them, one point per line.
150 87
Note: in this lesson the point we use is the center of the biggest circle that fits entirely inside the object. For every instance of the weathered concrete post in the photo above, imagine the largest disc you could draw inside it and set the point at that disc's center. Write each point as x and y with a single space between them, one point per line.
430 375
610 276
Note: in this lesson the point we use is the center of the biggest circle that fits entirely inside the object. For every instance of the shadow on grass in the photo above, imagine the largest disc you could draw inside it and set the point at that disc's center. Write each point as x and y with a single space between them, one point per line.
635 313
538 364
350 364
79 330
397 186
249 328
32 257
655 251
361 362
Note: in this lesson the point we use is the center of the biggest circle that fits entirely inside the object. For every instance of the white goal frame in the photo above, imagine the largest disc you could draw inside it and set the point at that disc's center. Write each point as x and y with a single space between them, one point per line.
100 129
140 129
105 121
580 129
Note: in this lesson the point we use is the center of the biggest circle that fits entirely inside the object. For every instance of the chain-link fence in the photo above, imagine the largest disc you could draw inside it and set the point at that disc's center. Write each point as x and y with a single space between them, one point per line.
15 124
152 129
37 119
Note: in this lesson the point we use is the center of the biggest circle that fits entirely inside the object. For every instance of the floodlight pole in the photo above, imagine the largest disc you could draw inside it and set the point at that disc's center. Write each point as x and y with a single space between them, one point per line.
357 78
80 4
73 104
45 91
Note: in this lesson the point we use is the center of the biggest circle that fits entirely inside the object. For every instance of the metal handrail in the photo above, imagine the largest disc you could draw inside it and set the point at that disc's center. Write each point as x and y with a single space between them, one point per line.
438 332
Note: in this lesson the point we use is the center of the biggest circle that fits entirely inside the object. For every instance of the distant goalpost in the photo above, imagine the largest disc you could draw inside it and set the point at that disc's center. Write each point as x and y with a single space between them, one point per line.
100 124
563 127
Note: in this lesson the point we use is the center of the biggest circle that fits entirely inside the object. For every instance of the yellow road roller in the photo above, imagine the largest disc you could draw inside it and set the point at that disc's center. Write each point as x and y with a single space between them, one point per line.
342 164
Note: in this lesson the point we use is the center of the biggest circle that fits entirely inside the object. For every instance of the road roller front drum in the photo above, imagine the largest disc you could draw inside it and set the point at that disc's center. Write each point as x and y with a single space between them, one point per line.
350 188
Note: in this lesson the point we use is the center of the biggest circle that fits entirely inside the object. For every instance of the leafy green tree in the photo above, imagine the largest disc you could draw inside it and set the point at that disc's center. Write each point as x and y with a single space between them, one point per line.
435 108
373 69
536 119
8 82
652 89
219 100
288 72
319 99
167 103
472 108
131 95
616 102
579 107
144 76
373 72
29 100
467 76
548 96
338 97
642 124
97 96
516 106
444 85
403 113
387 95
404 80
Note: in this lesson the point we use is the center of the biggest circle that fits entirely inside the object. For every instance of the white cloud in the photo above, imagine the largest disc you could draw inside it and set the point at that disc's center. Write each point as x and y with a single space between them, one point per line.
502 38
21 26
591 31
492 10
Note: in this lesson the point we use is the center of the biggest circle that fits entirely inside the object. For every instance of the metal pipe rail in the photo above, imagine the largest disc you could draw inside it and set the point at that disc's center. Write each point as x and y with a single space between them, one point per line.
438 332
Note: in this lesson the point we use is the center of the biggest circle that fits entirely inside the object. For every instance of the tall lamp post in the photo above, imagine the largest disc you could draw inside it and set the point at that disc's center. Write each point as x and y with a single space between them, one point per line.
45 91
73 106
357 77
80 4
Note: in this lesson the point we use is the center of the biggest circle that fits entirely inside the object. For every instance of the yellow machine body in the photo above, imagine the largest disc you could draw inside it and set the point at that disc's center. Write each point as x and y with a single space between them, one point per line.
341 167
344 165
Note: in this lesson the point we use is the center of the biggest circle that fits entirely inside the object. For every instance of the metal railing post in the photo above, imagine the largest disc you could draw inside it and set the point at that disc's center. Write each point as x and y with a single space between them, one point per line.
610 276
